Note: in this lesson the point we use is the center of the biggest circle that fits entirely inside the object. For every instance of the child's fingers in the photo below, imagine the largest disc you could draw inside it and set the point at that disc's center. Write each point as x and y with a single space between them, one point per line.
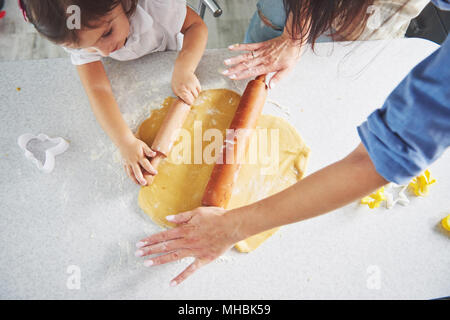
147 166
149 152
198 90
138 174
130 174
198 86
195 92
187 97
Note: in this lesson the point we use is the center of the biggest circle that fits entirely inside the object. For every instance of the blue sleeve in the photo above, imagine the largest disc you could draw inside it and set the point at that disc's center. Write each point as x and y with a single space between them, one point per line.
442 4
412 129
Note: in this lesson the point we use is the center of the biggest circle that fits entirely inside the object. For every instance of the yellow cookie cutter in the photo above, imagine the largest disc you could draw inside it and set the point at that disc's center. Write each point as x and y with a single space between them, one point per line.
446 223
419 185
375 199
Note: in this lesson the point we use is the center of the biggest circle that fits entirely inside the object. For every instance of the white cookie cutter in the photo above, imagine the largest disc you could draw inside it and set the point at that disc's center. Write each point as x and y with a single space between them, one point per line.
401 197
49 162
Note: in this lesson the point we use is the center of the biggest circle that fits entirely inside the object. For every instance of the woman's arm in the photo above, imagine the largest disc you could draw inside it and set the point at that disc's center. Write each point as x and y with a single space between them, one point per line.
184 82
98 88
206 233
328 189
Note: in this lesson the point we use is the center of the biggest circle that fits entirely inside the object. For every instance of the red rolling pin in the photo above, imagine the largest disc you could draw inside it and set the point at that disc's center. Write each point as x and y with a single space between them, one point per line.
221 183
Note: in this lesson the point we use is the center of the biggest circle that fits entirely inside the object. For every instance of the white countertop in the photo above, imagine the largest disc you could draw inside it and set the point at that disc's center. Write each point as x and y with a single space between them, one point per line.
85 213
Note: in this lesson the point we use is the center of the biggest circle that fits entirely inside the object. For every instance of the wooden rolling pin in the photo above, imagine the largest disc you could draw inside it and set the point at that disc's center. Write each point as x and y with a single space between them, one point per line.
167 134
224 174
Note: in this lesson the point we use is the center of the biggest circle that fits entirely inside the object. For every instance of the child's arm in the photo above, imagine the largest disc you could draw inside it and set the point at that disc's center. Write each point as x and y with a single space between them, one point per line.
105 108
184 82
209 231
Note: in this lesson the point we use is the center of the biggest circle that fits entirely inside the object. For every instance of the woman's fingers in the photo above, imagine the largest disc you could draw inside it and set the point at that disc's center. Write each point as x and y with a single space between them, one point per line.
242 67
194 266
277 77
138 174
181 217
171 234
166 258
147 166
161 247
246 46
238 59
251 72
130 173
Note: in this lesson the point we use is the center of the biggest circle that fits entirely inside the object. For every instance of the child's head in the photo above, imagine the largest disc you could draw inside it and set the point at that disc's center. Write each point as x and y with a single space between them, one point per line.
104 24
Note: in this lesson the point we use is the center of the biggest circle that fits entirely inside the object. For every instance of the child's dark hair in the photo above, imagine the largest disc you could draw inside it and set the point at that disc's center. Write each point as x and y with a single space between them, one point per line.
49 17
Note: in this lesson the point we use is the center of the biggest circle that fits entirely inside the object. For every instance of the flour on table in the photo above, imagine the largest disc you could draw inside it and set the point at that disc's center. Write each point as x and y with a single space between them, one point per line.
286 110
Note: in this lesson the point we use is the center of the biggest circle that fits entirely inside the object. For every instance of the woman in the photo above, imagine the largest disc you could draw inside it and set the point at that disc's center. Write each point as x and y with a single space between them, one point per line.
398 141
276 42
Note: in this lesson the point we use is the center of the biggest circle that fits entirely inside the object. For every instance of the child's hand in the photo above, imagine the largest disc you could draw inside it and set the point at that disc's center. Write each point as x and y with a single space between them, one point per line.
135 153
186 86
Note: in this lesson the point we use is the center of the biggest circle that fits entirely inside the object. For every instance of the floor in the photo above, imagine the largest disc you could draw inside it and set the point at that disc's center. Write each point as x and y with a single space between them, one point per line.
19 40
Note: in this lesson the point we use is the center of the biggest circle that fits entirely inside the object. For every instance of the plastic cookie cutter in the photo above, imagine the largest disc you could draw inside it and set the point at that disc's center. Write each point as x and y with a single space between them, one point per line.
375 199
48 164
419 185
446 223
396 194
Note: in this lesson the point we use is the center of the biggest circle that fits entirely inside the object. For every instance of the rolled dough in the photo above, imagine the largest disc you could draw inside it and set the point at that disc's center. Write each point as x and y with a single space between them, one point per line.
179 187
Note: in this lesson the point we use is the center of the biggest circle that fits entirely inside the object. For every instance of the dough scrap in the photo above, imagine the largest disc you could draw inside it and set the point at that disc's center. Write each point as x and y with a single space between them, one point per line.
179 187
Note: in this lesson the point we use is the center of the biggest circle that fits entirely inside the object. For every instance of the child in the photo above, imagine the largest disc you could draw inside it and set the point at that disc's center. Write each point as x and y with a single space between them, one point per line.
122 30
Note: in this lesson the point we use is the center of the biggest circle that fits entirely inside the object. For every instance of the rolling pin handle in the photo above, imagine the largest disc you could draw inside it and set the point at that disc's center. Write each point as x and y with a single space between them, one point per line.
166 136
261 78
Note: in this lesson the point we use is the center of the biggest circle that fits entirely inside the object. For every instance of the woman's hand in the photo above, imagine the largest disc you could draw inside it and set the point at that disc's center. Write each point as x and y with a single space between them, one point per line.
186 86
277 55
135 154
204 233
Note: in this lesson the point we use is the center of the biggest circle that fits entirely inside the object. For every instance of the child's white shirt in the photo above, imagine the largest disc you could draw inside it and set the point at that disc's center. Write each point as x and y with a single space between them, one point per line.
155 26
